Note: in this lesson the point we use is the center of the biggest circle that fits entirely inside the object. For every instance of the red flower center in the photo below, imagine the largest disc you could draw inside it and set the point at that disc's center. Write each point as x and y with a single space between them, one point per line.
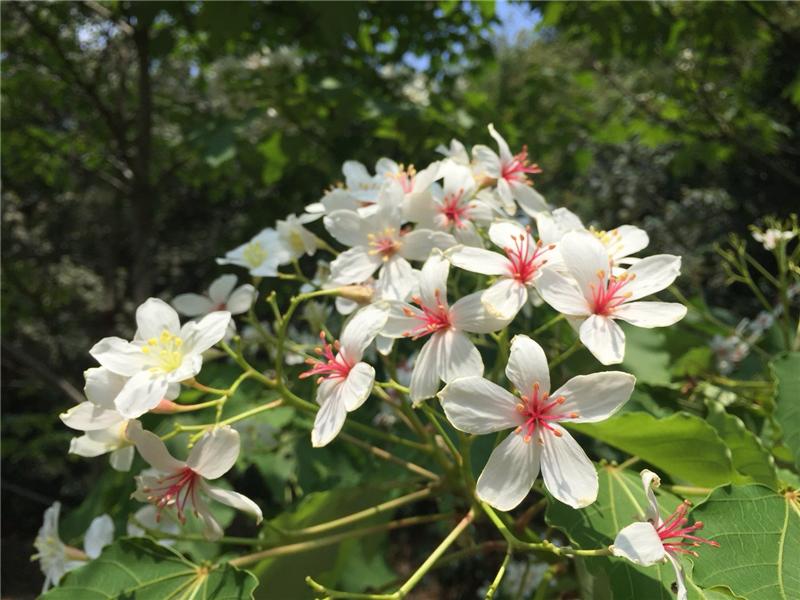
518 167
455 213
433 318
608 295
174 489
385 244
334 366
405 177
675 529
526 257
538 410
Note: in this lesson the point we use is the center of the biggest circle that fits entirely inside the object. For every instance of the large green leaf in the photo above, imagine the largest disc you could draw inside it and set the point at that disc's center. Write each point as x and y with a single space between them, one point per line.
750 458
758 532
682 445
140 569
786 371
620 501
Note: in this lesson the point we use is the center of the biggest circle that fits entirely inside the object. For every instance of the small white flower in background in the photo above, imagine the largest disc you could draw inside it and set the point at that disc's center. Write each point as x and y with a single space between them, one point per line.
149 517
448 353
161 355
452 207
772 237
221 295
345 382
378 243
56 558
728 351
517 271
510 172
620 242
455 152
261 255
655 540
478 406
594 297
295 238
180 484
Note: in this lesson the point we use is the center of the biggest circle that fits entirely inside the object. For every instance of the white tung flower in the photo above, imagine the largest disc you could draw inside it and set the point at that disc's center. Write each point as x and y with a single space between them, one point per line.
476 405
295 237
448 353
510 173
150 517
772 237
378 243
261 255
594 297
655 540
161 355
516 271
455 152
179 483
345 382
56 558
221 295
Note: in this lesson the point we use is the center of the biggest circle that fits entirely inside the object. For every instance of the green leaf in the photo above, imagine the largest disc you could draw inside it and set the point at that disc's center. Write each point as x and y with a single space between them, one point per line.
786 372
138 568
646 356
274 158
758 532
620 502
682 445
750 458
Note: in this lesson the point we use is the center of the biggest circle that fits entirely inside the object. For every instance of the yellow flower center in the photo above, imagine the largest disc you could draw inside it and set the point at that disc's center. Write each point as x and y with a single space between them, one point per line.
166 352
254 254
296 242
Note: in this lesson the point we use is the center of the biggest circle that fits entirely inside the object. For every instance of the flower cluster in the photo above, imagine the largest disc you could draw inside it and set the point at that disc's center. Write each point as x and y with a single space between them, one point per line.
409 238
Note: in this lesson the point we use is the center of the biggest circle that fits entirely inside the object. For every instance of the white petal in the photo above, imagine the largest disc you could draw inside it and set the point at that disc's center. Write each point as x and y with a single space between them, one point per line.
358 385
653 274
417 244
529 200
87 416
650 481
505 298
398 323
478 260
627 240
330 417
141 393
361 329
468 235
201 335
595 397
604 339
211 528
396 279
650 314
234 499
640 544
487 160
99 535
503 233
585 257
470 314
567 220
87 447
192 305
102 386
354 266
504 192
152 449
567 472
221 288
215 453
505 153
384 345
562 294
346 227
241 299
155 316
509 475
433 279
459 356
118 356
477 405
425 376
680 579
527 365
121 459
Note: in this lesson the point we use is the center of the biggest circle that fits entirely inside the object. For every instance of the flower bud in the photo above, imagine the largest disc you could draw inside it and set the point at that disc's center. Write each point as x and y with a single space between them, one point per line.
358 293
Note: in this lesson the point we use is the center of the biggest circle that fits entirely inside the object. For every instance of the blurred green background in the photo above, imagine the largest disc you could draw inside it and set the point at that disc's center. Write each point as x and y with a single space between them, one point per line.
141 140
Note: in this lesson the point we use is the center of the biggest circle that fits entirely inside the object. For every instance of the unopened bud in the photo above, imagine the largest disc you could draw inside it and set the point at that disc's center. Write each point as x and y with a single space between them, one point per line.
358 293
167 407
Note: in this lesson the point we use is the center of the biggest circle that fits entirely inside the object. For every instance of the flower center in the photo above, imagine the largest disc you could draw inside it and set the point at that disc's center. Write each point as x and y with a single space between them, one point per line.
296 241
334 366
254 254
675 528
165 351
455 213
433 318
175 489
608 295
518 167
526 257
385 244
538 410
405 177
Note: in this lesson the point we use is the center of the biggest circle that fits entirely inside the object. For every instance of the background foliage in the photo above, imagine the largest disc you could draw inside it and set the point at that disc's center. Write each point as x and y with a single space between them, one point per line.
140 140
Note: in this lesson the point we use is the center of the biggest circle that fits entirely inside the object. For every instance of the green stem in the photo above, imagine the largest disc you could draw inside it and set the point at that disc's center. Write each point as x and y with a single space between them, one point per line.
431 414
388 456
566 354
558 318
499 577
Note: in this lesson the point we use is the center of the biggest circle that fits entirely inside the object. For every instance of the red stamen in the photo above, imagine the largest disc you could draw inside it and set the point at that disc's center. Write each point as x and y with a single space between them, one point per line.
334 366
676 530
518 167
455 213
433 318
608 295
537 411
177 489
525 257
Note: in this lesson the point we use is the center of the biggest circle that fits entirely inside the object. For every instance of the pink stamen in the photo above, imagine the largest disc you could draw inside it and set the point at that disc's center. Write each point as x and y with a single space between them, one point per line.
537 410
454 212
405 177
518 167
334 366
608 295
526 257
433 318
675 529
176 489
